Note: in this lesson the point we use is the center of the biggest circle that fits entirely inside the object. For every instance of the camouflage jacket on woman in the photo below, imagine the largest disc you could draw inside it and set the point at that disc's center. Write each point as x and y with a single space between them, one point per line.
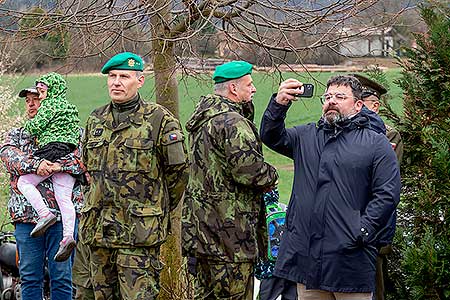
223 213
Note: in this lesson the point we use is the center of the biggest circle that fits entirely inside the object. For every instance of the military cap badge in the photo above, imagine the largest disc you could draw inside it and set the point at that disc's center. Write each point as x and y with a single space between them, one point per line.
124 61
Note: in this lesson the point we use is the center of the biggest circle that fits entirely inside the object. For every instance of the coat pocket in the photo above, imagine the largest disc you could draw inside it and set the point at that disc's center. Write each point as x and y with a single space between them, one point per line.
88 221
248 222
148 226
350 242
138 155
231 224
95 154
173 143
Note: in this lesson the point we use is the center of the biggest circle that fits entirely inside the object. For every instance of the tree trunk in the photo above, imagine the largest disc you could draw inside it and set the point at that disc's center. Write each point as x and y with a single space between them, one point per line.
167 95
166 87
164 66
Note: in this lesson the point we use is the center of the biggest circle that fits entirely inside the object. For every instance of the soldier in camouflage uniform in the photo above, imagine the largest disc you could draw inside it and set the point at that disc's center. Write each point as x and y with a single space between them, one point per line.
223 222
135 154
372 91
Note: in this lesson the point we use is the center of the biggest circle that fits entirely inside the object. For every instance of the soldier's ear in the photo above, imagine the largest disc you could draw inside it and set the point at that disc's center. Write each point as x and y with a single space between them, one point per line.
141 80
232 88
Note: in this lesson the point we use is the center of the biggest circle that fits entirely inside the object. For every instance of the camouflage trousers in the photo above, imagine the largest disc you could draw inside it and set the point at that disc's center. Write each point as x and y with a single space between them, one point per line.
81 274
231 281
122 273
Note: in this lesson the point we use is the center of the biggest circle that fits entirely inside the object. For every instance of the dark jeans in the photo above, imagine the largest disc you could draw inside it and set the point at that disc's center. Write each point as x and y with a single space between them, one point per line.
33 254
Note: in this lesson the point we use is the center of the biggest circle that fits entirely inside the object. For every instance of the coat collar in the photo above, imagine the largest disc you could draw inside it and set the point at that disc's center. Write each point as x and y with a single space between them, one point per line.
135 117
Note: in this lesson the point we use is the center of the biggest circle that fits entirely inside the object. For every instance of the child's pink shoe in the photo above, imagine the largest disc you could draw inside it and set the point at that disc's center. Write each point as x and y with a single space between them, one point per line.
43 224
65 248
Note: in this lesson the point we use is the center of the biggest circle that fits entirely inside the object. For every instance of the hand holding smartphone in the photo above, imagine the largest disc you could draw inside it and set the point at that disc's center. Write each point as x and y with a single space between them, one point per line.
291 90
308 91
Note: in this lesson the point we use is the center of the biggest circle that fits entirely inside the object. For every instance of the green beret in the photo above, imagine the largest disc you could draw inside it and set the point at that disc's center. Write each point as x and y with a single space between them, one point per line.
370 87
124 61
231 70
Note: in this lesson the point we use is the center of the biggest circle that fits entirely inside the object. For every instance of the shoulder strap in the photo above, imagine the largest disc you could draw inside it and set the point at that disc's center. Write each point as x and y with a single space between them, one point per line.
158 115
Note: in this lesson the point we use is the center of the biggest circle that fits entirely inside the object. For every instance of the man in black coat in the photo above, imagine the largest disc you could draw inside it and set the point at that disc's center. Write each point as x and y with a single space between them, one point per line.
346 186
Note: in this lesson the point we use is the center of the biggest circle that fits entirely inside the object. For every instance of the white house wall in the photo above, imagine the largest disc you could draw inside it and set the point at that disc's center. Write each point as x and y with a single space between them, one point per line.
366 46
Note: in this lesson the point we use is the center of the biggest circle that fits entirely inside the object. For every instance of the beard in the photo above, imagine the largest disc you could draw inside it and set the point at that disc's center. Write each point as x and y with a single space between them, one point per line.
333 117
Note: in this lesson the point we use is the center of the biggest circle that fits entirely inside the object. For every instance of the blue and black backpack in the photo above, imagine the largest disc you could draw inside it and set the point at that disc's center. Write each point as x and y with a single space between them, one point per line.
276 225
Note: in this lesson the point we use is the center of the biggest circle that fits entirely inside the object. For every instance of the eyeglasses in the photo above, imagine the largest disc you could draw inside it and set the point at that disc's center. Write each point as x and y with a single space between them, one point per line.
340 97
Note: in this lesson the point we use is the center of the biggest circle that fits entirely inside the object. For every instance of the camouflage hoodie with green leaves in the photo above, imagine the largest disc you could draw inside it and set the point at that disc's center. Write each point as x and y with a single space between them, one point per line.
223 211
57 119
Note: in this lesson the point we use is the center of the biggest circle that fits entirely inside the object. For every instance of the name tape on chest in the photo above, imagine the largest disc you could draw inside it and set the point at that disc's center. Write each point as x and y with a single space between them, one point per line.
98 132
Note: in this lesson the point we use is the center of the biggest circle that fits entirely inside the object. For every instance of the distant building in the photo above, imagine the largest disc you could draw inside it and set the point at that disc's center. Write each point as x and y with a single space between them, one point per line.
376 42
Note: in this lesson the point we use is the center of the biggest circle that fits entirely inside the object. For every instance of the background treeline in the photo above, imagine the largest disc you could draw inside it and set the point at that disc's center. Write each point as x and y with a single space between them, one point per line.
44 39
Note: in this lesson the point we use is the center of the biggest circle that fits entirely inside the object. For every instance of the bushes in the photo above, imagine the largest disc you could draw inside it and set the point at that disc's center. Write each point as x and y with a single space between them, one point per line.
423 238
9 117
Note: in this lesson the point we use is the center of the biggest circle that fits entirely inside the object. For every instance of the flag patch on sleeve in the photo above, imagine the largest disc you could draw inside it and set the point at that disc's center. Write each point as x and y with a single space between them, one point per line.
173 137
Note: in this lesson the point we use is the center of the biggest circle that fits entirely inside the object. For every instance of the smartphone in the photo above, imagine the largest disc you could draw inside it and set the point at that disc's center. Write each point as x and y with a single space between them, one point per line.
308 91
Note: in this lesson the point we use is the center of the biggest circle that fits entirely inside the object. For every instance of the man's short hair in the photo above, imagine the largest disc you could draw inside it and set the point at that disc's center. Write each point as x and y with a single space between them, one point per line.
346 80
222 87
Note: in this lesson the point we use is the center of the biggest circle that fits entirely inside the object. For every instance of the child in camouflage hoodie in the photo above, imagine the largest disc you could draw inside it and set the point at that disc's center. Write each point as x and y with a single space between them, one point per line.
56 128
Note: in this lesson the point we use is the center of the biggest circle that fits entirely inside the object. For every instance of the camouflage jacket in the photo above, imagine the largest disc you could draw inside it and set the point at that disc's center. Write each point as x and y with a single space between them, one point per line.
138 171
396 142
223 212
17 155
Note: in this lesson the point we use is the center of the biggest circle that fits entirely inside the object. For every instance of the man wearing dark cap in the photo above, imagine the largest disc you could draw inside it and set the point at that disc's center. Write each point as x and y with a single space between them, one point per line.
371 95
223 221
17 153
135 154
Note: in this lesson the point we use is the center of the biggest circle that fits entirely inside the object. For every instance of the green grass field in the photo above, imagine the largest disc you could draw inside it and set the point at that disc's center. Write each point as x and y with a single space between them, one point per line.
89 91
